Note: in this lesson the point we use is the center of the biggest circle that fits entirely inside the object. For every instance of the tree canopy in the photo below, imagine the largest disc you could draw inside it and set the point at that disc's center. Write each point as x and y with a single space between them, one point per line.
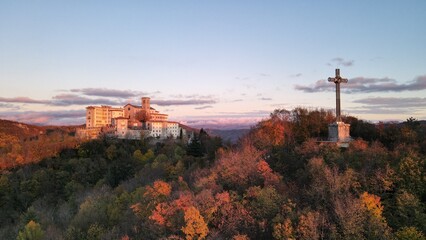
277 182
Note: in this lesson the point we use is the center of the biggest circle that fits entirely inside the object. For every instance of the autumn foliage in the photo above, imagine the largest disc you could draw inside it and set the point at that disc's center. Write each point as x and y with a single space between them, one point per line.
22 144
277 182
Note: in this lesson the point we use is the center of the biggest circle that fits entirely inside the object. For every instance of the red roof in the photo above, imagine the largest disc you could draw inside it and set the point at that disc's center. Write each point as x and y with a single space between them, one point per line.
133 105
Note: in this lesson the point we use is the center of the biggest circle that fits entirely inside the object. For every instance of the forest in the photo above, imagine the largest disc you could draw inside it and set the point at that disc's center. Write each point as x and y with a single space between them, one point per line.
22 144
277 182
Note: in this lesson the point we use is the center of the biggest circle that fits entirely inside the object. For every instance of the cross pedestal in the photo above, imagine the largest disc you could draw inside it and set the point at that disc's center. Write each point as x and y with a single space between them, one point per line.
339 131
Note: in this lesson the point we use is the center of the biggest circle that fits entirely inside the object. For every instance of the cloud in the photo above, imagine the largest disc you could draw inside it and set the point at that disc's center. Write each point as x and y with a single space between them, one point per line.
192 96
47 117
203 107
63 100
111 97
9 106
264 74
392 102
72 99
249 86
367 85
389 105
105 92
183 102
280 105
296 75
23 100
375 111
265 99
341 62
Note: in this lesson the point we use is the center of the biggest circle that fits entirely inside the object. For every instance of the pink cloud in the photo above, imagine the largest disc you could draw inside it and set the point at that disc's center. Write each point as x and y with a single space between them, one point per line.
63 117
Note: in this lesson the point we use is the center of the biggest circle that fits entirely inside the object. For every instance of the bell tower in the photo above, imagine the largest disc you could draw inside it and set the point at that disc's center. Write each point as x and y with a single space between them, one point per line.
146 107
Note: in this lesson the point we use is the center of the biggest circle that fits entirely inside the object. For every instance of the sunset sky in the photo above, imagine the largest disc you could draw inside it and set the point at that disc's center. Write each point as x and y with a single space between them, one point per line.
211 63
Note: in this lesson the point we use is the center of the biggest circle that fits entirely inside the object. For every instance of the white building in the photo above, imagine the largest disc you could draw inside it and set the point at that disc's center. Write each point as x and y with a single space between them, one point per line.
163 129
120 126
101 116
131 122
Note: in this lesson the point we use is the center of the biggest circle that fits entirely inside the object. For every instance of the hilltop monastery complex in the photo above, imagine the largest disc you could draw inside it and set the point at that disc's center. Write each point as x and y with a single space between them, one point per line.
130 122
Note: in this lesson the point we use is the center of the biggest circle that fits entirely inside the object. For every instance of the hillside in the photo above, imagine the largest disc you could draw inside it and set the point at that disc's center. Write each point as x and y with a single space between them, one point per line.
20 130
22 143
25 131
277 183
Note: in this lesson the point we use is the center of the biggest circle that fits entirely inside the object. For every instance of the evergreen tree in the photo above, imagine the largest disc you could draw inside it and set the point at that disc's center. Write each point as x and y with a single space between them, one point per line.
194 147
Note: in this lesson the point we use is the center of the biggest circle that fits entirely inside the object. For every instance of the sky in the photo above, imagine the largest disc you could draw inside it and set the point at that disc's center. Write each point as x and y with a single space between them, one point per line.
211 63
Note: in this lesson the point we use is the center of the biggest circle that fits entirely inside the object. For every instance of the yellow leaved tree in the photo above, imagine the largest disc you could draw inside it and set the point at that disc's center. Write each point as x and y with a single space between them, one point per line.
195 227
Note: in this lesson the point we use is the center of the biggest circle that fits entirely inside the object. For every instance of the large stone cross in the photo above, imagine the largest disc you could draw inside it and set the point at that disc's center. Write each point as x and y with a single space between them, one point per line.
337 80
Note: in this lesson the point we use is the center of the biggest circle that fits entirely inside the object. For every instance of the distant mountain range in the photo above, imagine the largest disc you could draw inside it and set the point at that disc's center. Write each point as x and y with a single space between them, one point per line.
231 135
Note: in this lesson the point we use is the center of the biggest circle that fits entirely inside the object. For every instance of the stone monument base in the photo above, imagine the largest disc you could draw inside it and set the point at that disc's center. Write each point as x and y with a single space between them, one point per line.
339 132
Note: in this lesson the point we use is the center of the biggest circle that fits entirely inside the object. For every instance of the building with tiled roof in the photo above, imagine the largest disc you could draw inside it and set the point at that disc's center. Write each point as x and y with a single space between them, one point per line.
130 121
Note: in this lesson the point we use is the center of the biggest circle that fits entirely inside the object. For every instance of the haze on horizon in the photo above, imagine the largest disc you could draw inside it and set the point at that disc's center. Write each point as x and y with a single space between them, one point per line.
211 63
